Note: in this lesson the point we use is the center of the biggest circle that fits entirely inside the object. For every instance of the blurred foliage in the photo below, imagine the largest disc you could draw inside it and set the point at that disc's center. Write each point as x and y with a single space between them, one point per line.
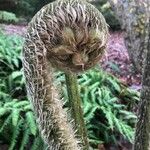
107 103
8 17
105 9
10 59
27 8
30 7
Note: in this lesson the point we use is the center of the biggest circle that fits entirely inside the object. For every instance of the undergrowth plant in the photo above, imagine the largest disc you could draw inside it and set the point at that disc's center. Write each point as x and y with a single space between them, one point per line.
8 17
107 103
18 126
10 58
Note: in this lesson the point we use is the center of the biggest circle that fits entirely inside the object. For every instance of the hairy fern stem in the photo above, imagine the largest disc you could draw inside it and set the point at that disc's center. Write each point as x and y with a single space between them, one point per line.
75 106
69 35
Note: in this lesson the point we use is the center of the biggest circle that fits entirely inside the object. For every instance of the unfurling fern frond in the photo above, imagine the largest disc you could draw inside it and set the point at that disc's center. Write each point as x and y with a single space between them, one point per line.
69 35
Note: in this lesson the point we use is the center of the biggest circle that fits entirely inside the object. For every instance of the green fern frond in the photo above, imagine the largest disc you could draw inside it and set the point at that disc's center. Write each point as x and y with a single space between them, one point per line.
93 95
128 115
16 74
15 116
21 104
86 82
25 139
109 115
90 112
27 108
127 131
3 111
6 122
15 136
11 103
8 17
37 144
95 140
124 129
31 122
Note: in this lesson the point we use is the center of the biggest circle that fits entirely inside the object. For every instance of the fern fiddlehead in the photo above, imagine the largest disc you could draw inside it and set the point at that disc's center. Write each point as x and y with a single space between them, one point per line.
69 35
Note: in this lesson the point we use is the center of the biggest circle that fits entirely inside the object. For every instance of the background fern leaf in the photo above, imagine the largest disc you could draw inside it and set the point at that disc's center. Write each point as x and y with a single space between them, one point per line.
37 144
16 131
25 139
6 122
31 122
15 116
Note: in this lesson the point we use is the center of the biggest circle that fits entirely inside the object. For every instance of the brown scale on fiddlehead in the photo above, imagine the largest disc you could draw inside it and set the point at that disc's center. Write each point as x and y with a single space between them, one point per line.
69 35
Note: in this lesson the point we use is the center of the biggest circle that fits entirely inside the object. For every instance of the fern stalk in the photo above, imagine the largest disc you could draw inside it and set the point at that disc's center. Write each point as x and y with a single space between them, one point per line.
75 106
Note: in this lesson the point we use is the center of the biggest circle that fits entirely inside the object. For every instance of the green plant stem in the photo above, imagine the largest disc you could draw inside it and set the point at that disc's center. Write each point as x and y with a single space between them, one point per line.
76 110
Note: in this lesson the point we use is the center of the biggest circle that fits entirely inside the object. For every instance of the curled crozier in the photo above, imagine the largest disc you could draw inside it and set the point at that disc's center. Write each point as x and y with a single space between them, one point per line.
69 35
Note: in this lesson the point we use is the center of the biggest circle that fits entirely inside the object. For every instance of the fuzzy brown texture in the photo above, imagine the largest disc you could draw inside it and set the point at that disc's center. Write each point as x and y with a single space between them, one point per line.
69 35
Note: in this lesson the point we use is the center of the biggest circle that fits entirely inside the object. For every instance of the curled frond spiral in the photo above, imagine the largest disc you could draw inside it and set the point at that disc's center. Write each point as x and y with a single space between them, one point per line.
69 35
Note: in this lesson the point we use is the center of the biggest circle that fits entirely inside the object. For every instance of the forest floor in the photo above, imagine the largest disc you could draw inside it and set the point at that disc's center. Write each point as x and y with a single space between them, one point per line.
115 60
